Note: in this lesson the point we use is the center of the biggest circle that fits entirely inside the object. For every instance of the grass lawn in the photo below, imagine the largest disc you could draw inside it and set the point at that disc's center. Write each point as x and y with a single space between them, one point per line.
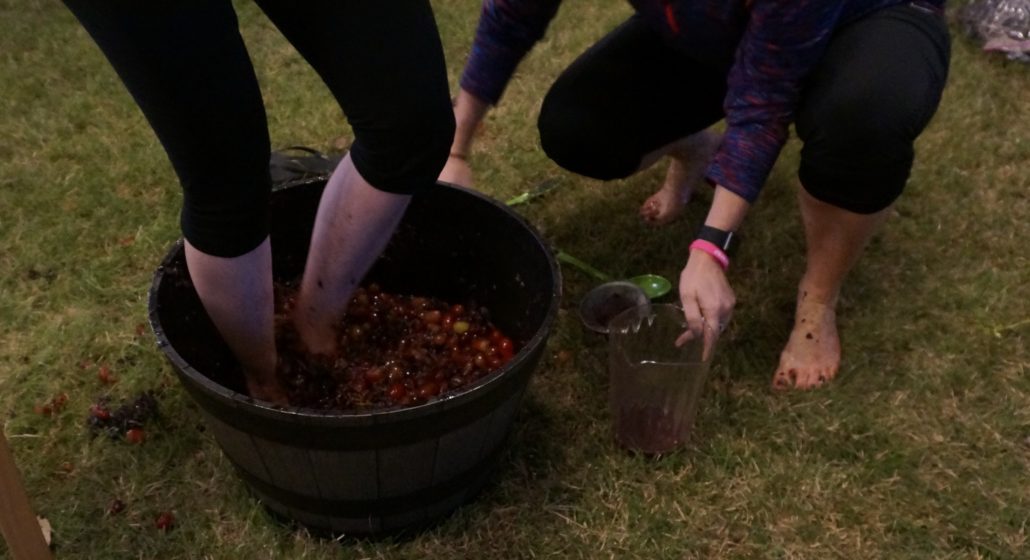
921 449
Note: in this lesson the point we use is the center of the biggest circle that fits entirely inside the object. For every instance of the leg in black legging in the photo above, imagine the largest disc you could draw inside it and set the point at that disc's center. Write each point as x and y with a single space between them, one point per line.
871 96
187 68
627 101
624 98
384 63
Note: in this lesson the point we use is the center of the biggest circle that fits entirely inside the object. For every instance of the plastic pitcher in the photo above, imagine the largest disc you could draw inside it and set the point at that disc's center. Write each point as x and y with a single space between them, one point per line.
655 386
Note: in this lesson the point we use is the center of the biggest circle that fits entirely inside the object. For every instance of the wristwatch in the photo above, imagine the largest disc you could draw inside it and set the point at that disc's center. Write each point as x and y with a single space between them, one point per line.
720 238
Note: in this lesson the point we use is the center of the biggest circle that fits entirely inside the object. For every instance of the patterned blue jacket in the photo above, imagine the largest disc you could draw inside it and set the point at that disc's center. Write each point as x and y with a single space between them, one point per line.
769 46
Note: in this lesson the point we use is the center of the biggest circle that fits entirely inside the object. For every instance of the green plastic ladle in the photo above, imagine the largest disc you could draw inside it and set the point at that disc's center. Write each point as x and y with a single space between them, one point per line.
545 186
653 285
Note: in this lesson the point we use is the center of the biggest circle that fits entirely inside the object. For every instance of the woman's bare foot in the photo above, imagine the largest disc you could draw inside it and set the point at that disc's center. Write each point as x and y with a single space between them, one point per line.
667 203
457 172
271 392
812 355
686 171
313 338
265 385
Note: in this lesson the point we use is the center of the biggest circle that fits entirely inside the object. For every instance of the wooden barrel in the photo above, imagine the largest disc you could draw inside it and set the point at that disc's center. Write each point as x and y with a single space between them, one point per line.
390 470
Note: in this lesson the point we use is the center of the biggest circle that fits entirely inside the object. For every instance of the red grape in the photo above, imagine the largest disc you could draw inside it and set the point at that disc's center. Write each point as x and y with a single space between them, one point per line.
393 351
165 521
135 435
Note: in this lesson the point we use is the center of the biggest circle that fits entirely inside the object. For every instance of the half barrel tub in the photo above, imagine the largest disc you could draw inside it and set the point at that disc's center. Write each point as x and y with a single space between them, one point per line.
382 471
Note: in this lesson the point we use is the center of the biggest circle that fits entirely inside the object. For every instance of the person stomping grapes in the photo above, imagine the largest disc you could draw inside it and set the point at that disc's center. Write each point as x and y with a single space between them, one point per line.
188 69
860 80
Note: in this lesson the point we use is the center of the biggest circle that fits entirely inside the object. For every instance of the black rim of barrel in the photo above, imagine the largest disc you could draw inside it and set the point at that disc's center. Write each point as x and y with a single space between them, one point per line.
216 394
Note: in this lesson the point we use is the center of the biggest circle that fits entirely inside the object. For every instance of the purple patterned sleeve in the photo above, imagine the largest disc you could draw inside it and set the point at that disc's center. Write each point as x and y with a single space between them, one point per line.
507 30
783 41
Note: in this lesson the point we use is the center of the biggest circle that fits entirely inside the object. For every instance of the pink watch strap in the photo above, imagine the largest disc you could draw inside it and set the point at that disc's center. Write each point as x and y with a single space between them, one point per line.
713 250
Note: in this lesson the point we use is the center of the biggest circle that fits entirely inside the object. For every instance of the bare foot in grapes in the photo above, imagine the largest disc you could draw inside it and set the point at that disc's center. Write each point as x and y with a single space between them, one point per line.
811 357
267 388
686 171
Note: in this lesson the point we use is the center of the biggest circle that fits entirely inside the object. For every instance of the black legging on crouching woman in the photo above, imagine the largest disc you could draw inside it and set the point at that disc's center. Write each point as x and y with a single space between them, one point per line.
861 109
186 65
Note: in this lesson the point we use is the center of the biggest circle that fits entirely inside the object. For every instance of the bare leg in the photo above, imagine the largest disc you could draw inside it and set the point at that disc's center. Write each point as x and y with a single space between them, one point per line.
835 238
354 223
237 294
688 159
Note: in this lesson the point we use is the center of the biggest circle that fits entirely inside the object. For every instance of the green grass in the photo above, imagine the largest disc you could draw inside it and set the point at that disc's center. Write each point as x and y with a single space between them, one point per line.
919 450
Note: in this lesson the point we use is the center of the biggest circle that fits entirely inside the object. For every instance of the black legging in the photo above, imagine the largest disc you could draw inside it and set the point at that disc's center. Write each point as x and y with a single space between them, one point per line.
185 64
861 110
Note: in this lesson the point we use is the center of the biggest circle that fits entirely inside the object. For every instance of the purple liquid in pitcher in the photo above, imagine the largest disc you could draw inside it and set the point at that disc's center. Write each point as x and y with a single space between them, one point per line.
654 406
649 429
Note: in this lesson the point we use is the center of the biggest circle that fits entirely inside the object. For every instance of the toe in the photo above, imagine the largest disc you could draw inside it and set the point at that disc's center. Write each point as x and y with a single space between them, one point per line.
809 379
649 210
824 376
831 372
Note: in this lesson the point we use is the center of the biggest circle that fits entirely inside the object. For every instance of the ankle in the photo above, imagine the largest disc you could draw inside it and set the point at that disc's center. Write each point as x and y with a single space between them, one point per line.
262 371
809 295
315 340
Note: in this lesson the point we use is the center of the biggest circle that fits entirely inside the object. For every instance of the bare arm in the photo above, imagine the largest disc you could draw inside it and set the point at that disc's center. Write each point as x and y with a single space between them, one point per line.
705 292
469 112
507 30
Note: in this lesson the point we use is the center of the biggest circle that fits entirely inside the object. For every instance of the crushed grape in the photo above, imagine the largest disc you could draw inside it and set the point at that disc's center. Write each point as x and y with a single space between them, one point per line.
116 422
394 350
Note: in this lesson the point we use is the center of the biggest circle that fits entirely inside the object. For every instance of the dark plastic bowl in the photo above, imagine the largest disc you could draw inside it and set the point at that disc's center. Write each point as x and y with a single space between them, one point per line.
381 471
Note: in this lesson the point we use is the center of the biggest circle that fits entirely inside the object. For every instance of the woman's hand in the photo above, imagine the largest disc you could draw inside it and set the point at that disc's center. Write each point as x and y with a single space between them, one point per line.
705 293
707 299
